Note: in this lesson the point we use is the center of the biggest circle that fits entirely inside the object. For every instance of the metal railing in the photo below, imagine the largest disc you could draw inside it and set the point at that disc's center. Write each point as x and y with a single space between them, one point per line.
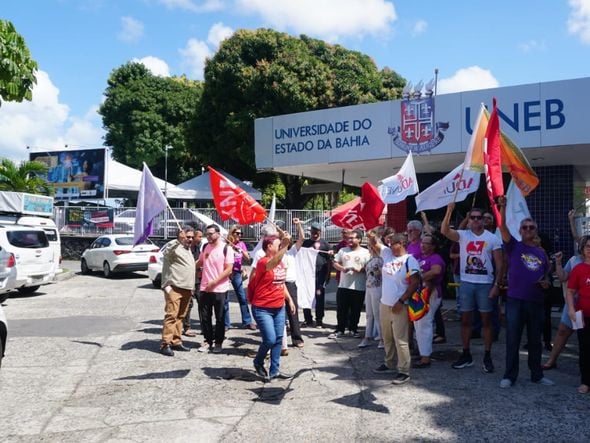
89 221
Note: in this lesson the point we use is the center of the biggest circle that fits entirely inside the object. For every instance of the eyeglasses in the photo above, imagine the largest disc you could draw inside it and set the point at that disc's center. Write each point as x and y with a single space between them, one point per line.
529 227
209 234
237 233
190 237
475 217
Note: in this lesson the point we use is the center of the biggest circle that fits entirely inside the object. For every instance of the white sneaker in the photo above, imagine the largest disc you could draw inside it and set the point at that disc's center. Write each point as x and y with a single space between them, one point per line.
336 335
364 343
546 382
505 383
381 345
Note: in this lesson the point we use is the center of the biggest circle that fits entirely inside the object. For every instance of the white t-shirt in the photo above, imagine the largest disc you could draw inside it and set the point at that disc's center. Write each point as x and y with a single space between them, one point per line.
289 264
355 259
476 259
394 275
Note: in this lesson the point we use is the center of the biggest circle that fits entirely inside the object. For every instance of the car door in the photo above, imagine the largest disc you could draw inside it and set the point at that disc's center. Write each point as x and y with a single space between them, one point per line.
91 255
104 252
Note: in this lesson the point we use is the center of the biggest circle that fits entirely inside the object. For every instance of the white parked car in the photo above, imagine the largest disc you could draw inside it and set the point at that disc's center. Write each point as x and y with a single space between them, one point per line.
116 253
7 273
33 256
155 268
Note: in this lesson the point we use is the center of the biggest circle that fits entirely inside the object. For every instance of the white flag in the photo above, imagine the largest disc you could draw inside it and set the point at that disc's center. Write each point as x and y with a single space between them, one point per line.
442 192
516 210
305 266
150 202
399 186
273 208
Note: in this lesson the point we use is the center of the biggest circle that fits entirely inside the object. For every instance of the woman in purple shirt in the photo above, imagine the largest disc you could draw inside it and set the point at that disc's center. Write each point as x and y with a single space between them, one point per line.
240 253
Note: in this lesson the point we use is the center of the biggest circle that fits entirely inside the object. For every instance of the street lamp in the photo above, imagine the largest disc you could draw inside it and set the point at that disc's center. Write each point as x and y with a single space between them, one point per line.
166 148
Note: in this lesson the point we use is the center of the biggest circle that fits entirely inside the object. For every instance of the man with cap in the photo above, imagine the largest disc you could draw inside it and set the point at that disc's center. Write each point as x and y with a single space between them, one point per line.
322 273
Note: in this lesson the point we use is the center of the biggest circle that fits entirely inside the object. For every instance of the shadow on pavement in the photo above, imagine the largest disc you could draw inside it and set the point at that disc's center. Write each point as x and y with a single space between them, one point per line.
178 373
362 400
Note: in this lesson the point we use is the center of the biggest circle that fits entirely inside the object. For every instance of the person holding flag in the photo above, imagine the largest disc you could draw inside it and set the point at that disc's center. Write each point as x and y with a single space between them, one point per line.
479 251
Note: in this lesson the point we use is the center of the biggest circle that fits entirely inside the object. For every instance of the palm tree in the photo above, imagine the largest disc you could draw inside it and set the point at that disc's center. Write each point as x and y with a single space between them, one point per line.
24 177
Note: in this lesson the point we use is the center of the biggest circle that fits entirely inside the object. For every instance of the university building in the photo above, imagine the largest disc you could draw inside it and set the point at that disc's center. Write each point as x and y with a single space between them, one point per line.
351 145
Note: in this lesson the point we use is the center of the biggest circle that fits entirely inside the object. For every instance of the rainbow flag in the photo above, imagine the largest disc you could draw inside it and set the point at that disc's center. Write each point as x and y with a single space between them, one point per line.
513 159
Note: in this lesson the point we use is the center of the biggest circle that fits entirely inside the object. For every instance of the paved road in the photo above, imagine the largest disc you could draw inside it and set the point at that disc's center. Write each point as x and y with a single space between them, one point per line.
83 365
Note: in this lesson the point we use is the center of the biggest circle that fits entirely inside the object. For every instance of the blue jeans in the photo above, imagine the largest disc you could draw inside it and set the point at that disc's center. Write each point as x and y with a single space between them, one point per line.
518 314
237 283
271 323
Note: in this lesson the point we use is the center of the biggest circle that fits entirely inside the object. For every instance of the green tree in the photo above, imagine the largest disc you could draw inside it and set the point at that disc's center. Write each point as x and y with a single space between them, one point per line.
24 177
17 68
144 113
263 73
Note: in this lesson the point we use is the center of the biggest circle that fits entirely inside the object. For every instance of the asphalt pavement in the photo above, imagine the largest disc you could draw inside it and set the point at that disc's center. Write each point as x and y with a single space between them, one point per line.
82 364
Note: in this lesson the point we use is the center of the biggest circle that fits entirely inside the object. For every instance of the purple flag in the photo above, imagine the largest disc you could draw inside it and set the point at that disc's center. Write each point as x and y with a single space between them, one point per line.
150 202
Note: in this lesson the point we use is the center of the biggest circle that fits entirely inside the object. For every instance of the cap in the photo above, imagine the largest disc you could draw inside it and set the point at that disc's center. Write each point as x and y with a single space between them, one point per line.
316 226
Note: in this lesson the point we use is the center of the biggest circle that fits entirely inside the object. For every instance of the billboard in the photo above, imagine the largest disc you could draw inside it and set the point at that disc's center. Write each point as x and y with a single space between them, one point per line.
75 174
89 218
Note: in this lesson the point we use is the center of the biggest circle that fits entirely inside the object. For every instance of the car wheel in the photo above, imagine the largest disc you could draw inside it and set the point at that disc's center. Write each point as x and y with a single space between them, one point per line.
106 270
157 283
28 289
84 267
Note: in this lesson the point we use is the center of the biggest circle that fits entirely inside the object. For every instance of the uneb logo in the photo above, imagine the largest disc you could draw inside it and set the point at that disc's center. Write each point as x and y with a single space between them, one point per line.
418 132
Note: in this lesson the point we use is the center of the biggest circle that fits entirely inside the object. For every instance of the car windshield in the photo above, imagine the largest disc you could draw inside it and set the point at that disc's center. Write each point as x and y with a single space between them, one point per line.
27 239
124 241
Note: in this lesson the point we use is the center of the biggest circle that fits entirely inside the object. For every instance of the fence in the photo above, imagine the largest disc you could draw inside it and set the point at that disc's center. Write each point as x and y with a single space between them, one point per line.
98 221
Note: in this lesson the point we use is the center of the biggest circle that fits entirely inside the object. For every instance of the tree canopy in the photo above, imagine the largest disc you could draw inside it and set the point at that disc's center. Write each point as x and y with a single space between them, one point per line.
263 73
144 113
24 177
17 68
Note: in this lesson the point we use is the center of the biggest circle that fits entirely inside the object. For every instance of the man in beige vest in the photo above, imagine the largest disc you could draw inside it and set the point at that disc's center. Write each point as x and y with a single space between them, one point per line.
178 284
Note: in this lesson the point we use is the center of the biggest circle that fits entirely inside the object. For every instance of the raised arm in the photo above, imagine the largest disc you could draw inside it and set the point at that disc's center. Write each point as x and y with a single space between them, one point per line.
572 221
502 222
300 233
427 226
445 227
285 241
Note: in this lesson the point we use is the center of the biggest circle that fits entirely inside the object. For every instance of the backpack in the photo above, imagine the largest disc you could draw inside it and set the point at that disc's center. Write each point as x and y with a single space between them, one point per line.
418 303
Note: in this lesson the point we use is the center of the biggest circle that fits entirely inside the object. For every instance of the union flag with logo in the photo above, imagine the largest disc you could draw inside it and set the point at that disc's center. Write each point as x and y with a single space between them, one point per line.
232 202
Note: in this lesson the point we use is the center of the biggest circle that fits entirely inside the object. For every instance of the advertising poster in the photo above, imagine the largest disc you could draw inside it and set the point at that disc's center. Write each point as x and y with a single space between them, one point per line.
75 174
89 218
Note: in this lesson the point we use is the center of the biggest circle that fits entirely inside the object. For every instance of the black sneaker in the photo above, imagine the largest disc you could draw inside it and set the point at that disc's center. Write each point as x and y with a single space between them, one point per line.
383 369
400 379
167 351
261 371
464 361
488 366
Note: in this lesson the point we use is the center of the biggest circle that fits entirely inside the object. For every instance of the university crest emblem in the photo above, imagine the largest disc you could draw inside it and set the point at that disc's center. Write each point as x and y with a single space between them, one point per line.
418 131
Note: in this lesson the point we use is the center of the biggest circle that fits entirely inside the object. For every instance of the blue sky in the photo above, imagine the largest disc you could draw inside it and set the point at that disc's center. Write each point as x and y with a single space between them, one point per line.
474 44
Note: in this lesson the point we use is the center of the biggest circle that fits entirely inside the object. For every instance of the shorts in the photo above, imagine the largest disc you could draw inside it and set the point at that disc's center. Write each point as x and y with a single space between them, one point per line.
475 295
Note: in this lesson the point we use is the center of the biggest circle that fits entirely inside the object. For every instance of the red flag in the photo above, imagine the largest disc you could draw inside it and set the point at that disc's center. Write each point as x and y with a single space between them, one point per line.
233 202
362 212
492 157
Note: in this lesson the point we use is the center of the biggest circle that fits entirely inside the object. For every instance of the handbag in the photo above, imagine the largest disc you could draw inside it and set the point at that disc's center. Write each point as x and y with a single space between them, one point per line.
245 275
419 301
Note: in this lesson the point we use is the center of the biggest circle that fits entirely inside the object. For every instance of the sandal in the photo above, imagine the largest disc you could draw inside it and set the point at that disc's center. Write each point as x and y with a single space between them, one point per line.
583 389
548 367
439 340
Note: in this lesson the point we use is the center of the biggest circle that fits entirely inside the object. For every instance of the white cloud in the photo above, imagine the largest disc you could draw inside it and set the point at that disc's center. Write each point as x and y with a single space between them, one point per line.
156 65
329 19
532 46
193 6
468 79
578 22
132 30
218 33
419 27
193 57
44 123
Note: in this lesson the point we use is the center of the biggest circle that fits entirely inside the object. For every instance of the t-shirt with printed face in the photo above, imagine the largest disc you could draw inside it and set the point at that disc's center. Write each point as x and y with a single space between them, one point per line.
355 259
394 275
526 266
476 257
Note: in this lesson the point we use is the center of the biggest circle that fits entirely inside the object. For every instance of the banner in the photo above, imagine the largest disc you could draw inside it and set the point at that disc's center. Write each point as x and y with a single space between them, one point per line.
233 202
150 202
399 186
443 192
89 218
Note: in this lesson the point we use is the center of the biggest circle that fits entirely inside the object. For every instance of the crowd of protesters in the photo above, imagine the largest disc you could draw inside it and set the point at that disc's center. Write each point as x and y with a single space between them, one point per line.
480 261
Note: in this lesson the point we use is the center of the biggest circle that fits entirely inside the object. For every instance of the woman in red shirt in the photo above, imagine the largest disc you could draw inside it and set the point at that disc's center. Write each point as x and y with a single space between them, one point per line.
268 305
579 281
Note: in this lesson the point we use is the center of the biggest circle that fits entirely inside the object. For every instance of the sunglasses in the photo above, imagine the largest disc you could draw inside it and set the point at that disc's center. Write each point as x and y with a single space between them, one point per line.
237 233
475 217
529 227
